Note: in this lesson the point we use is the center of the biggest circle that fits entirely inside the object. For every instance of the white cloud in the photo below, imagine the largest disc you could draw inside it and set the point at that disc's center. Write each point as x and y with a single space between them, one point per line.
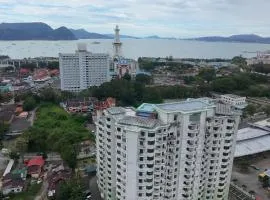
180 18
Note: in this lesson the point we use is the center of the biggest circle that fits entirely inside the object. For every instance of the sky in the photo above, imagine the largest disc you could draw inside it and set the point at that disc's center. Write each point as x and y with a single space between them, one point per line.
166 18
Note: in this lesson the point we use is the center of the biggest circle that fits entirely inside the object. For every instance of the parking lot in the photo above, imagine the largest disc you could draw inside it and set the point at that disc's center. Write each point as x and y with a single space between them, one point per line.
249 177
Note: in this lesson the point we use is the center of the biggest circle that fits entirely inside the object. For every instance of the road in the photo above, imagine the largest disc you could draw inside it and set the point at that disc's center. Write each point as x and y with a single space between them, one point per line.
94 188
3 162
43 191
33 116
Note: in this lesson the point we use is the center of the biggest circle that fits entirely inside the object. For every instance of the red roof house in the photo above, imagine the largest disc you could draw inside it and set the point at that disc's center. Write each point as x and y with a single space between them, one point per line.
54 72
24 71
102 105
35 166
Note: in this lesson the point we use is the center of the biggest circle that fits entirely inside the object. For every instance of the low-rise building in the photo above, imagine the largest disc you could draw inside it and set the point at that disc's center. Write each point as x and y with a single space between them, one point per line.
5 87
35 166
124 66
85 104
13 186
233 99
58 175
14 182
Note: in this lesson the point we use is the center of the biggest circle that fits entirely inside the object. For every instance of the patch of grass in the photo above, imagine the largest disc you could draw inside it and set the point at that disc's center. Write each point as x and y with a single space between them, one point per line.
56 130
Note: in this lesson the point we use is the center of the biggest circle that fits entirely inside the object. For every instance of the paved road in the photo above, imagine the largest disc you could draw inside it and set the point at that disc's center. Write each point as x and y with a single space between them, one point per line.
33 116
3 162
94 188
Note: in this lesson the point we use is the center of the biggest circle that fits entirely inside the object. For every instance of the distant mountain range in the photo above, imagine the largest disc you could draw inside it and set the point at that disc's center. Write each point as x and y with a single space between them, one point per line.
42 31
33 31
83 34
245 38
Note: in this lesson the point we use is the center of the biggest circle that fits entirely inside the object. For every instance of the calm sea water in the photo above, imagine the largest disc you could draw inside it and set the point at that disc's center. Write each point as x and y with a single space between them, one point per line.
134 48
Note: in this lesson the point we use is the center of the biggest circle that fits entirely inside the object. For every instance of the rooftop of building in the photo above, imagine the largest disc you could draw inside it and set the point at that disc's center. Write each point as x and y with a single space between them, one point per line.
116 110
139 121
250 133
146 107
14 183
36 161
191 105
233 96
188 105
253 139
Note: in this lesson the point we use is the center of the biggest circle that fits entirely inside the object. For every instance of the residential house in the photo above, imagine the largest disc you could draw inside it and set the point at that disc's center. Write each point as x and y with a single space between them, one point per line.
85 104
58 175
102 105
35 166
15 181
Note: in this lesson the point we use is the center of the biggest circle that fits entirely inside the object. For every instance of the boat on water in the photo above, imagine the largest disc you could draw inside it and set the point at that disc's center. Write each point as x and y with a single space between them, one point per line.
13 44
95 42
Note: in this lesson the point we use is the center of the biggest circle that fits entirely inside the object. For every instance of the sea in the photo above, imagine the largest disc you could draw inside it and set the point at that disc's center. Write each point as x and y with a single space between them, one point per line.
134 48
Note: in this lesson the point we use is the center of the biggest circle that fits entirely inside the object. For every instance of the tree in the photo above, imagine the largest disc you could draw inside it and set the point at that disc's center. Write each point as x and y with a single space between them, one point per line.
240 61
224 85
21 146
152 95
49 95
267 110
250 109
71 190
69 154
53 65
127 77
29 104
143 78
207 74
4 127
14 155
30 66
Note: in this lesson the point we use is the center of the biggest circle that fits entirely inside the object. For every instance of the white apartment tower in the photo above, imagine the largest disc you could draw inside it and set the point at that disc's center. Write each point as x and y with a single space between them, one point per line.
117 44
171 151
83 69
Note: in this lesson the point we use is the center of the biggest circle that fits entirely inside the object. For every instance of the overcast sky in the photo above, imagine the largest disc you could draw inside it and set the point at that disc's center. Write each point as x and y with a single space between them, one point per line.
177 18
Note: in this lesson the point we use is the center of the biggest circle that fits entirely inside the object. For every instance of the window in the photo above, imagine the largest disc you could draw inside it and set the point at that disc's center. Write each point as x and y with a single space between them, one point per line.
151 134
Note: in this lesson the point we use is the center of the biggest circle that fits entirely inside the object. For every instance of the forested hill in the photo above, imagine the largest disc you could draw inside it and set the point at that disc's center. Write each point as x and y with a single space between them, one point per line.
34 31
245 38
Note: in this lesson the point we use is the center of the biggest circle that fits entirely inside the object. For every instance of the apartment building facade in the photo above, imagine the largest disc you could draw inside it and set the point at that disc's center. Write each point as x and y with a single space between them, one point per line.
172 151
83 69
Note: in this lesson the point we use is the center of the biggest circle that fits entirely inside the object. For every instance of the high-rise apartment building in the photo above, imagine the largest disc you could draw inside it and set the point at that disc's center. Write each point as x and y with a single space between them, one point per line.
83 69
171 151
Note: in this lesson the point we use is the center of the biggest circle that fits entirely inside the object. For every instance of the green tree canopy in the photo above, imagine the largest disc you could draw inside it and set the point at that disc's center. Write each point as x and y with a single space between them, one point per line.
143 78
71 190
56 130
207 74
250 109
29 103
